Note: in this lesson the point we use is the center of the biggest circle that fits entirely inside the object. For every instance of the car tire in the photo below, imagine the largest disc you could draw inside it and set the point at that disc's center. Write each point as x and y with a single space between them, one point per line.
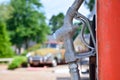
24 64
54 63
31 65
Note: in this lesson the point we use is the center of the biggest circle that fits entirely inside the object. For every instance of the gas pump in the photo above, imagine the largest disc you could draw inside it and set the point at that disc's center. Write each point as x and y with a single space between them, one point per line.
107 40
65 33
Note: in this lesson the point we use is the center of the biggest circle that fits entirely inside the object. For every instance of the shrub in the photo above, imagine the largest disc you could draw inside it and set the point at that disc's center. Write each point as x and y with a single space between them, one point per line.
5 45
24 53
17 62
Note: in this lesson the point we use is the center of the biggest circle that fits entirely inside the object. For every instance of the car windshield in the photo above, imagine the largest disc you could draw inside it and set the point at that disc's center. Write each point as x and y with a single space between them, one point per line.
52 45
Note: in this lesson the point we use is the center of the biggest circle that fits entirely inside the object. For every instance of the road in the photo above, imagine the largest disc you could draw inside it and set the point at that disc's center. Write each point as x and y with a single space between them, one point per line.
40 73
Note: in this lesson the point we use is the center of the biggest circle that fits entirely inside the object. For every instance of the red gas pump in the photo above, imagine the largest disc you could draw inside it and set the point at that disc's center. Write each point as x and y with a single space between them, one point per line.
108 40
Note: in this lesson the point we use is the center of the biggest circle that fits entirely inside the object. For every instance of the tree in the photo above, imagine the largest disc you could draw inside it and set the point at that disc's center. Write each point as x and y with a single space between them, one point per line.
5 46
5 10
27 23
56 22
90 4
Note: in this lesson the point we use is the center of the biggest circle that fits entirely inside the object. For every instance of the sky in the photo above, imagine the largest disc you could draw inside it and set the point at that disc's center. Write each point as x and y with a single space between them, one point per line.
54 7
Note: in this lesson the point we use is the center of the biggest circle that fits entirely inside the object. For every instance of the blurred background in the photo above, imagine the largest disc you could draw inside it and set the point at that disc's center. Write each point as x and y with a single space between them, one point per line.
26 49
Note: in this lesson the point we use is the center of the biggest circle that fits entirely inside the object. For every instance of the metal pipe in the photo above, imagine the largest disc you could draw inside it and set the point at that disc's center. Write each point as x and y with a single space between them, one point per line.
68 25
65 34
73 66
85 22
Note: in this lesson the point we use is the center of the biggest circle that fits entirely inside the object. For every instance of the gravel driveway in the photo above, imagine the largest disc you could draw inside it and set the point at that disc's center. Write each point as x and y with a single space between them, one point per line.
44 73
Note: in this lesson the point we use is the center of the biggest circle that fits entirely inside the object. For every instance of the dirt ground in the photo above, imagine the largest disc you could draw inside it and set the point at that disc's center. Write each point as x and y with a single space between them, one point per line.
40 73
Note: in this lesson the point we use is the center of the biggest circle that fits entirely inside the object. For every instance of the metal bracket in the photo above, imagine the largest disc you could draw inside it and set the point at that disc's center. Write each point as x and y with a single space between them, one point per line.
86 23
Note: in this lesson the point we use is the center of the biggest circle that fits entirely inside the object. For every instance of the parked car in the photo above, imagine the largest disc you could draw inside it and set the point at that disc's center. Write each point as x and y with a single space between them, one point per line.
51 53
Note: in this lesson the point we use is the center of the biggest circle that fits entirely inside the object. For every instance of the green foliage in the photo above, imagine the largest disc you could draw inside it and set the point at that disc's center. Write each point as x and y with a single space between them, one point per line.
5 11
24 53
17 62
27 22
56 21
86 31
90 4
32 48
5 46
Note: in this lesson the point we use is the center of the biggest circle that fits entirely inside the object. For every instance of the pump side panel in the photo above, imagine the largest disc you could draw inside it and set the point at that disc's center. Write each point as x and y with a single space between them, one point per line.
108 39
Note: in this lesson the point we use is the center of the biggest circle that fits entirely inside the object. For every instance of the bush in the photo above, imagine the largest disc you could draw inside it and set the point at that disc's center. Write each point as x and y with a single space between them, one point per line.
5 45
17 62
24 53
